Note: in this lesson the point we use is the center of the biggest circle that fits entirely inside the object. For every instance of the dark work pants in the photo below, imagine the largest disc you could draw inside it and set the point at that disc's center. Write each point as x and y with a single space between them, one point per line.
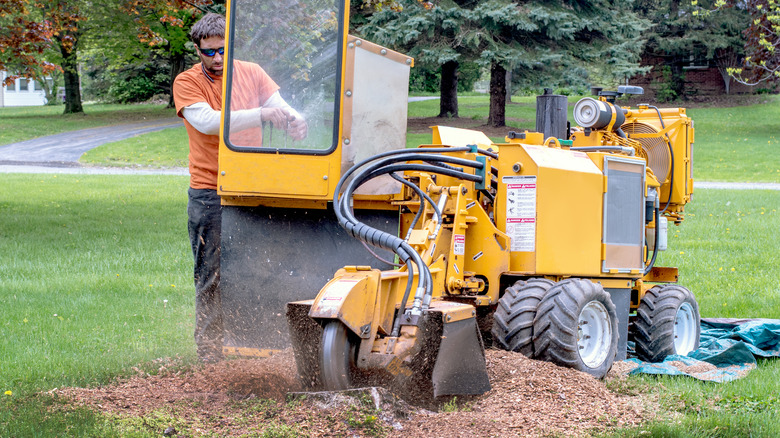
204 224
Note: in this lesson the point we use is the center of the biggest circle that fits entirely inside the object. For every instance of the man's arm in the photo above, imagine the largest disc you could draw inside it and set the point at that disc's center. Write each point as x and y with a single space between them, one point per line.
275 110
206 119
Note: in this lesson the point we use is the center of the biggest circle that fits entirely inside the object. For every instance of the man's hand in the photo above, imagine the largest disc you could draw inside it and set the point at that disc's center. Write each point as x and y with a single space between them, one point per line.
278 116
282 119
297 128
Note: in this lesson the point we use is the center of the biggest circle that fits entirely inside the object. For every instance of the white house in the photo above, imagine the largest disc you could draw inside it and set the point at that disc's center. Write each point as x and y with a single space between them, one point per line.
23 92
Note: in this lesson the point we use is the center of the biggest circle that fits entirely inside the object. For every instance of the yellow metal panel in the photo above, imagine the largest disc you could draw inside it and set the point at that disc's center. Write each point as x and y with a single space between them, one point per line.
459 137
351 297
569 212
272 174
486 250
566 238
511 155
453 312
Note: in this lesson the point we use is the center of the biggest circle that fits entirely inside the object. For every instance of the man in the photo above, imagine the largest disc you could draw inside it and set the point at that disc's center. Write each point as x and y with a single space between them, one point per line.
197 93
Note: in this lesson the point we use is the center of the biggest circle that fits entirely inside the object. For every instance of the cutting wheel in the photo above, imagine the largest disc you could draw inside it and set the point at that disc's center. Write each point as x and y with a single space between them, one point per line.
337 357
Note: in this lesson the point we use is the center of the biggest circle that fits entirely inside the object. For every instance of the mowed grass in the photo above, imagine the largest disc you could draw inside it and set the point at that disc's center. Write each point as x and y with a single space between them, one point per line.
727 255
738 143
164 148
95 278
88 262
25 123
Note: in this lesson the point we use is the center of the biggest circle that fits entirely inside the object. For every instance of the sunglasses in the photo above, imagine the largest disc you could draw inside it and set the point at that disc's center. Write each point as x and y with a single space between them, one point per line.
212 52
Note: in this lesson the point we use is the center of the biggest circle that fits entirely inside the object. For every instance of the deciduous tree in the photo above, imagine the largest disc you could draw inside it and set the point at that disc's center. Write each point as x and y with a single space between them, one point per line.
25 36
682 34
761 39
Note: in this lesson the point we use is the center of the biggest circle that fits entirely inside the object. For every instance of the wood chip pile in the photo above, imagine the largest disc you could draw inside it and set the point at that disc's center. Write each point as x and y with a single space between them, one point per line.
236 397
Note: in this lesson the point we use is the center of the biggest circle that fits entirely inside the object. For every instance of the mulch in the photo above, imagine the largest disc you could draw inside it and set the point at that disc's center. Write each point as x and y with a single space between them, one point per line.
529 398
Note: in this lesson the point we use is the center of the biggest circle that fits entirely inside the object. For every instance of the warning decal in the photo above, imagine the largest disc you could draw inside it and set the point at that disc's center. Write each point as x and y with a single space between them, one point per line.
521 212
459 242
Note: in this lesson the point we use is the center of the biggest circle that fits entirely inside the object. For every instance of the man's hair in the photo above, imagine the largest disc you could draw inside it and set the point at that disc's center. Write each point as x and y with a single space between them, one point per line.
210 25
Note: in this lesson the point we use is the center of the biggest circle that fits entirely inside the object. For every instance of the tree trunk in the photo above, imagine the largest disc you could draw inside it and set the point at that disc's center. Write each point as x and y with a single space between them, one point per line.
70 74
177 66
448 103
678 79
508 86
497 95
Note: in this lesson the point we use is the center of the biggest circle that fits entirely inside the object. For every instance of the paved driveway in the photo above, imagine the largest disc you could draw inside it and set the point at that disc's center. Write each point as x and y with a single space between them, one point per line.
68 146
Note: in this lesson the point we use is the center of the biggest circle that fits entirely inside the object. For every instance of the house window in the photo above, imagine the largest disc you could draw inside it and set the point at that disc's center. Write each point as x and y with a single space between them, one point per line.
23 84
12 86
37 86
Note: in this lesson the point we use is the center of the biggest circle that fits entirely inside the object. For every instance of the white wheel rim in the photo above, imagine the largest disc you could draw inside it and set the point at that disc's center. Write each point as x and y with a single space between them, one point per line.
684 330
594 334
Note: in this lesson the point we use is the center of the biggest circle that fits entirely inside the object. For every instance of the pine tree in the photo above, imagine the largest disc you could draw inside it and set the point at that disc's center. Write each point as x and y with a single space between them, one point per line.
554 40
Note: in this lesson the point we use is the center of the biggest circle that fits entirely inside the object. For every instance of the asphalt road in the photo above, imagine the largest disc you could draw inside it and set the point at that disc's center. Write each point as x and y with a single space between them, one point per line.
63 150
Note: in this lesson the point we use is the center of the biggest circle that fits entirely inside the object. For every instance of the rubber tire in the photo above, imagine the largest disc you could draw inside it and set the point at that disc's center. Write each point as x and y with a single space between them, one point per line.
653 328
513 320
337 357
556 326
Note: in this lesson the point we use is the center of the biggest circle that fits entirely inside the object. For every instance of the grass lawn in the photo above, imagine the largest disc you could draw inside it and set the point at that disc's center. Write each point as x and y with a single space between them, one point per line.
24 123
164 148
738 143
95 275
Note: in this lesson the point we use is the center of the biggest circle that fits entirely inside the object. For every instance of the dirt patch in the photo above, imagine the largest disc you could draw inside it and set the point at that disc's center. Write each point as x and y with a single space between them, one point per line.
422 125
236 397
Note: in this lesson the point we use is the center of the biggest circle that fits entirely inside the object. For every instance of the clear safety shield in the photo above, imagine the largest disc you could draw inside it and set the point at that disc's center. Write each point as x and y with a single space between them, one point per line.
283 78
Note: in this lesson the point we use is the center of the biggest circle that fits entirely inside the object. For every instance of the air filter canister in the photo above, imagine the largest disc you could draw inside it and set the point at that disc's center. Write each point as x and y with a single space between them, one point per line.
596 114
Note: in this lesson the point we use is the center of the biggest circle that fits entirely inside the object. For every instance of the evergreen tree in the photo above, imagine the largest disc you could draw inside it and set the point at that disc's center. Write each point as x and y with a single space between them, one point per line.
551 39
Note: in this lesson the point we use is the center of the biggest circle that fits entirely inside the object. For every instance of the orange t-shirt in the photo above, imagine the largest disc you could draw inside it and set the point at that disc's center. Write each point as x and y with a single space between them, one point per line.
251 87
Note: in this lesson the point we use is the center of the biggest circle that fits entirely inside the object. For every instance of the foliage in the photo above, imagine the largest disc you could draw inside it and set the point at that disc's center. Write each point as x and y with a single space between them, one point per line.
762 38
681 36
428 79
666 91
23 40
533 39
144 74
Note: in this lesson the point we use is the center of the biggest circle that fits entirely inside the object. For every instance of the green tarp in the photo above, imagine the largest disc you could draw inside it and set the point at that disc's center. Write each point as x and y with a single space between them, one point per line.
727 350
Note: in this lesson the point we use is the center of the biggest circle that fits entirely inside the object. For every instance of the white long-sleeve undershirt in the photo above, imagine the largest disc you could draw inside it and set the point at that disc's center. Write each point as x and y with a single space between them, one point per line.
206 119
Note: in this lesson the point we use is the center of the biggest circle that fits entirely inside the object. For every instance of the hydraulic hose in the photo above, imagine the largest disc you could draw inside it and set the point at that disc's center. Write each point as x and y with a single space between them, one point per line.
400 313
657 217
423 198
671 157
386 240
387 163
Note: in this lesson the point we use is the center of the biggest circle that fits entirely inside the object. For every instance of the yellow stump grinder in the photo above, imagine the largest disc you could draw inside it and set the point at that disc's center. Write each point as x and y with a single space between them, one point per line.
382 265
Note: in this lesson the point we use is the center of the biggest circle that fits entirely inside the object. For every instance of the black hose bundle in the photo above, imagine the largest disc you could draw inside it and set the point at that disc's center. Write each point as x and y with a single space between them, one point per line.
428 160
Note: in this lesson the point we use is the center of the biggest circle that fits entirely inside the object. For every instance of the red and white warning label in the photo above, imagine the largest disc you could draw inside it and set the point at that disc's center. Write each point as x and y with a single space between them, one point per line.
521 212
459 244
